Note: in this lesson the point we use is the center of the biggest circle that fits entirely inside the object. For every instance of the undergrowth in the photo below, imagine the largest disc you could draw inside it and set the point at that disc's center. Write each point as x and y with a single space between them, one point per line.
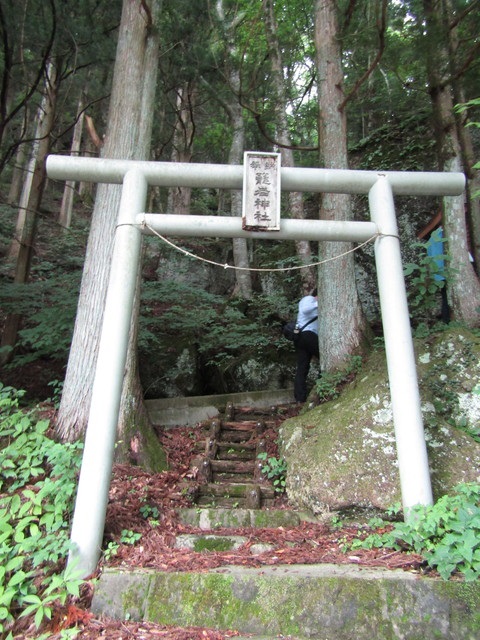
329 385
275 469
37 485
446 534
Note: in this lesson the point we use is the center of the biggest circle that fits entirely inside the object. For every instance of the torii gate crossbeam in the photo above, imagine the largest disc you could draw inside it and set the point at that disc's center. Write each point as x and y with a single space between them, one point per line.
92 495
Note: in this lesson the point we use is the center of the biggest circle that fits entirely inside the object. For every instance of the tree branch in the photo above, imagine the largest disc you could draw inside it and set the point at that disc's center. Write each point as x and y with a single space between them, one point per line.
349 13
41 69
7 57
92 132
456 21
471 57
381 48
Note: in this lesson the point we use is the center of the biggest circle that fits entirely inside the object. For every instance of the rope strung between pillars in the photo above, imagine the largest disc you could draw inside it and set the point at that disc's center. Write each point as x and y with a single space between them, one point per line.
257 269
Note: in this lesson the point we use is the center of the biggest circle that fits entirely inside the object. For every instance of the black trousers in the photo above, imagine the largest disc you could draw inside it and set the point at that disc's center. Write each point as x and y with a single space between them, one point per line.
306 348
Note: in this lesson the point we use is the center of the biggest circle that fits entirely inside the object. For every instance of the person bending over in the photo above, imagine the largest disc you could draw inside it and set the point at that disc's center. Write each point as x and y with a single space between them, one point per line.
306 344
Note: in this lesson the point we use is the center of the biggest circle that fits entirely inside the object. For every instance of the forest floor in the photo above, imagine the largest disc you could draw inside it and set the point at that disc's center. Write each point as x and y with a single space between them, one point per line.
146 504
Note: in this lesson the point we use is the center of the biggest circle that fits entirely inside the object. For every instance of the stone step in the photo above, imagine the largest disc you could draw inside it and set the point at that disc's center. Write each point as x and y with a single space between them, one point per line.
226 502
210 519
320 602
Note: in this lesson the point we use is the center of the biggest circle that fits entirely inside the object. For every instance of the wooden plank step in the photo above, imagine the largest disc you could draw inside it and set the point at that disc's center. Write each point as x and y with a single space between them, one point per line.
246 425
235 436
234 490
233 466
235 450
222 501
236 455
224 445
231 477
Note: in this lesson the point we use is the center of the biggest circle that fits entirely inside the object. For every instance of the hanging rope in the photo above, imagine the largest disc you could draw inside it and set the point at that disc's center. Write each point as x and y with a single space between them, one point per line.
265 269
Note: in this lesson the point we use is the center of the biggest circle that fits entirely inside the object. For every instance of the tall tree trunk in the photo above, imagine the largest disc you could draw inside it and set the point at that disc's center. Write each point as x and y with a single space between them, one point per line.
240 247
139 443
304 252
126 138
464 135
18 175
66 208
91 149
463 285
21 249
342 328
179 198
234 109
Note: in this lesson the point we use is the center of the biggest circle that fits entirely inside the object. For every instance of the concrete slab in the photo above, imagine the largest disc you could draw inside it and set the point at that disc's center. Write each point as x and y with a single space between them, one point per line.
207 519
170 412
323 602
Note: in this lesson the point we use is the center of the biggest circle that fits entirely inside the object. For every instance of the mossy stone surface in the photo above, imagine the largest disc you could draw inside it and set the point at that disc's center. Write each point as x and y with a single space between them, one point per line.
317 601
342 454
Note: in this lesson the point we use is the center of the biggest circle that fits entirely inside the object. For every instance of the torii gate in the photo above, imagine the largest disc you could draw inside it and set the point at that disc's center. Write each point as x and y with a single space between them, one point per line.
136 176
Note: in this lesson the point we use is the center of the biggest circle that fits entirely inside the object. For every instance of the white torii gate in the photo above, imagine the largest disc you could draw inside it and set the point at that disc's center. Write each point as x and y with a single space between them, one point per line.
136 176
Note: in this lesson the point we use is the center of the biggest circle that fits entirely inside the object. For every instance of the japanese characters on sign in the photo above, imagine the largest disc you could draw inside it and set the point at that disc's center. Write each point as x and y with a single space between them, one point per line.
261 191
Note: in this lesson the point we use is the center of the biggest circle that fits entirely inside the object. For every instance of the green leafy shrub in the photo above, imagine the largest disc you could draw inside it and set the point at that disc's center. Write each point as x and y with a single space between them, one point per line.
37 485
275 469
424 283
328 386
446 534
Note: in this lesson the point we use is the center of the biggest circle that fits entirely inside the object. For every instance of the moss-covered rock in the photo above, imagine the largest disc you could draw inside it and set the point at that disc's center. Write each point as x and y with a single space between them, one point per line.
342 454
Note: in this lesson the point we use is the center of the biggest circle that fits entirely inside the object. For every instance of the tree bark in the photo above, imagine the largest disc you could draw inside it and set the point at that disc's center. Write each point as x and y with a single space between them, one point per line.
18 175
308 275
464 135
463 286
66 208
343 330
234 109
21 249
179 198
126 138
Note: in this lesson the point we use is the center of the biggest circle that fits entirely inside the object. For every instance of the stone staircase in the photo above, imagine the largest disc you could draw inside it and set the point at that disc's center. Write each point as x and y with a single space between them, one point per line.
297 602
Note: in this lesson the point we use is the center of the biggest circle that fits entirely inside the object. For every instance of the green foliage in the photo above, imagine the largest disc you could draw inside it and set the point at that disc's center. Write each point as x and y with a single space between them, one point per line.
328 386
461 108
404 144
37 482
275 469
126 537
50 305
220 333
446 534
148 511
426 278
129 537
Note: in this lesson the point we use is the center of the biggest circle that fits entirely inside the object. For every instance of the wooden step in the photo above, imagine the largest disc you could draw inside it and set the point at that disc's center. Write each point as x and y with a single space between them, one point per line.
229 471
239 453
236 436
233 466
234 495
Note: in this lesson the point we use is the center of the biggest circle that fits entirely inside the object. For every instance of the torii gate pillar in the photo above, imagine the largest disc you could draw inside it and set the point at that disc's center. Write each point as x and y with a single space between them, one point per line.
402 372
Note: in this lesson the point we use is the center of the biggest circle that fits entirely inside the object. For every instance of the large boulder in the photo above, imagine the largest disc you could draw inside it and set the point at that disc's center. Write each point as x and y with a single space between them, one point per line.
341 455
